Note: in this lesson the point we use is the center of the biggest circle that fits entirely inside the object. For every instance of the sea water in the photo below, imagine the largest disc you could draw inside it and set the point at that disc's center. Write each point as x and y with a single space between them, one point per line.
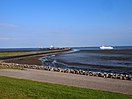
93 59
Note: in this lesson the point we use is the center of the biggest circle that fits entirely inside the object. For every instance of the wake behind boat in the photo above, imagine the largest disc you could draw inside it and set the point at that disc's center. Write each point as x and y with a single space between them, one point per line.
106 47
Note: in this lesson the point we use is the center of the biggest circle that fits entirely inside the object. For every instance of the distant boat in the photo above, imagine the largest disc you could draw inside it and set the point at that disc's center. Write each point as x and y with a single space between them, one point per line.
106 47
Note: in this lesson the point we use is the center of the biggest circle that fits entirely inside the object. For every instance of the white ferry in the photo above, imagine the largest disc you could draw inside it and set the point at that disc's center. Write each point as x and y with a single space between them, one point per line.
106 47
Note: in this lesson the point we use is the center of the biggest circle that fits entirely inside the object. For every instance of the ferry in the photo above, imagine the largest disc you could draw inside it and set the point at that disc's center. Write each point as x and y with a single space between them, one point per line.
106 47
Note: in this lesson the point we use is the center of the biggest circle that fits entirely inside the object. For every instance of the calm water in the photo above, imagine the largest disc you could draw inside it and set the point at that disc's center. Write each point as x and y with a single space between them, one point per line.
92 58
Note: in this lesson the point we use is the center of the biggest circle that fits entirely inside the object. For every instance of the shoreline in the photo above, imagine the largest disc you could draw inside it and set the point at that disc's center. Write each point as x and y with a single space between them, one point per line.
71 71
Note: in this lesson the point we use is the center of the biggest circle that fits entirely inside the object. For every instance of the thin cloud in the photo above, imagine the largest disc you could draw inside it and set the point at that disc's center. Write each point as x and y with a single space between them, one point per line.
6 38
7 25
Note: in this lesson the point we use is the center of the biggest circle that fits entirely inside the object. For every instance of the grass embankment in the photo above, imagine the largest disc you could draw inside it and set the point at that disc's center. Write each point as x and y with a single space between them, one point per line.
22 53
3 67
11 88
4 54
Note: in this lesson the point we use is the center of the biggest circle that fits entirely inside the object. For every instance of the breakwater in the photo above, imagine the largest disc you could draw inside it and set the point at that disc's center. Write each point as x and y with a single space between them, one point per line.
34 54
73 71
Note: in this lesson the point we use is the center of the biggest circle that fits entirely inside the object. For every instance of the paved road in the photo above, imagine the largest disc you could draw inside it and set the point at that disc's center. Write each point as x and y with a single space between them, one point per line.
114 85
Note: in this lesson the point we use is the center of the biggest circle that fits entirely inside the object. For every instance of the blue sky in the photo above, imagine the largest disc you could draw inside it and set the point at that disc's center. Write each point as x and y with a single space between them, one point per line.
36 23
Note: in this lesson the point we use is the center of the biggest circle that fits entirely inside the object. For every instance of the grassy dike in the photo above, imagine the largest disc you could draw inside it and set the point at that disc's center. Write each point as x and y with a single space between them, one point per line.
14 53
3 67
12 88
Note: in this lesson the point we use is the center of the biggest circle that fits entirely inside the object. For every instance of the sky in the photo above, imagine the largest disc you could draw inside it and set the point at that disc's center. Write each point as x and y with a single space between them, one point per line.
65 23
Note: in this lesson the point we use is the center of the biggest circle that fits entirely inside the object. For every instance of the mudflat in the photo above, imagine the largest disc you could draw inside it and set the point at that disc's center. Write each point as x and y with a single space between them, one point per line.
32 60
114 85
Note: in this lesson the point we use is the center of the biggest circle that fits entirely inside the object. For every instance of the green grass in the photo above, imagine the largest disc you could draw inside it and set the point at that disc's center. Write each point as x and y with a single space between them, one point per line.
3 54
11 88
3 67
15 53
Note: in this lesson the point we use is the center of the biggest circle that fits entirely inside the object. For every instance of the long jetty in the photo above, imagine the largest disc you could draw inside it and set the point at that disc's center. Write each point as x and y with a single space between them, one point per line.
50 51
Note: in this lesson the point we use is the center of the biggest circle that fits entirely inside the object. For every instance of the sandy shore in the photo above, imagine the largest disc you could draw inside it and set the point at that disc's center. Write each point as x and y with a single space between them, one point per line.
114 85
